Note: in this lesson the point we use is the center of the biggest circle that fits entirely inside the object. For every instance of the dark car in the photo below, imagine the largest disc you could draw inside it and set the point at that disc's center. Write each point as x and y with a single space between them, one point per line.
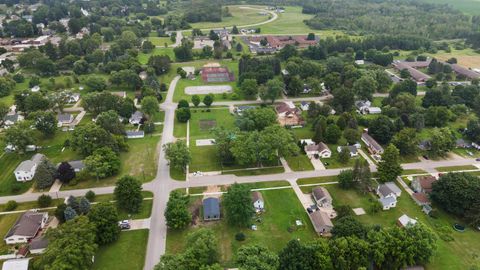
477 159
425 157
124 226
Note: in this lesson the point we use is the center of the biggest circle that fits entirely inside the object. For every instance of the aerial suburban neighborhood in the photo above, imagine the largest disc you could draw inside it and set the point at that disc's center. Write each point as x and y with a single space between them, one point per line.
251 135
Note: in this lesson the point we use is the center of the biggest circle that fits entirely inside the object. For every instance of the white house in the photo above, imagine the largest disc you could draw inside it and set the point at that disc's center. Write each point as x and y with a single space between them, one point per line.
35 89
136 118
388 202
351 148
25 171
258 202
26 227
320 149
304 105
388 194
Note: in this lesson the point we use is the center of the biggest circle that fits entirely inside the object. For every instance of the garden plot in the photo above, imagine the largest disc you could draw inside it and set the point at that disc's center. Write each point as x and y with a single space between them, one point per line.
210 89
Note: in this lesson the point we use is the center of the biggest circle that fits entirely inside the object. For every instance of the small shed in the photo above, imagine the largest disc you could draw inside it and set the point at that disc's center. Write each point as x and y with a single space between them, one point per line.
258 202
17 264
405 221
211 209
321 222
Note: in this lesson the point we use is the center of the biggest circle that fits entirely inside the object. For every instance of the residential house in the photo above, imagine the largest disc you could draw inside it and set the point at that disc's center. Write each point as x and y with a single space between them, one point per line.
423 184
373 146
421 198
322 197
304 105
258 202
25 171
11 119
321 222
73 98
77 165
319 149
351 148
35 89
38 245
64 119
360 62
211 209
388 194
16 264
143 75
135 134
26 227
461 143
406 221
288 114
136 118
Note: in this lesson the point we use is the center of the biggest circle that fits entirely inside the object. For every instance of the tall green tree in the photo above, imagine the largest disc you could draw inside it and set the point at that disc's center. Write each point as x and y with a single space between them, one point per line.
310 256
45 174
349 253
406 141
128 194
105 218
110 121
256 119
86 139
442 141
71 245
272 90
150 106
103 162
238 205
176 213
256 257
178 154
365 87
19 136
389 167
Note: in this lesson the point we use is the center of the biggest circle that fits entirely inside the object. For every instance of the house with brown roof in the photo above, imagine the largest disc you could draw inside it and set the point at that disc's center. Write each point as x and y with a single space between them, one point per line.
373 146
258 202
26 227
319 149
321 222
411 67
423 184
288 114
322 197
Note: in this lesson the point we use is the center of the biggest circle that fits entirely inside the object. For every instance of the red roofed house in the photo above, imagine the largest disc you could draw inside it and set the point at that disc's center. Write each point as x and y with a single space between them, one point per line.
423 184
288 114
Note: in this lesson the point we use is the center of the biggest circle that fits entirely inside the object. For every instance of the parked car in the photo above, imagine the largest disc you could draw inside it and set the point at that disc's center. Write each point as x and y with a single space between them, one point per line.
124 224
477 159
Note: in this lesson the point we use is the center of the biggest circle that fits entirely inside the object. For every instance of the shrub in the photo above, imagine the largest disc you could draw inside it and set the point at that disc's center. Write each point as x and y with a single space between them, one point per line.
16 187
11 205
240 236
90 195
44 201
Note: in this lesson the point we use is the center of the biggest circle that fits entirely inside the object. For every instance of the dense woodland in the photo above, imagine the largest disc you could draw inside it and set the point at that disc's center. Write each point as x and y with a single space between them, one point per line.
390 17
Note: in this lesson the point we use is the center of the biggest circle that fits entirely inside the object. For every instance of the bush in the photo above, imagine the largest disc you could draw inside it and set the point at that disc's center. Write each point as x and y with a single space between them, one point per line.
240 236
11 205
18 78
90 195
44 201
16 187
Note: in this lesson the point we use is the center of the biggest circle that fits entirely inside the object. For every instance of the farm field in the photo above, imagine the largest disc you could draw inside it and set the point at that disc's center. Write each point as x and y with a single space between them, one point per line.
466 57
240 16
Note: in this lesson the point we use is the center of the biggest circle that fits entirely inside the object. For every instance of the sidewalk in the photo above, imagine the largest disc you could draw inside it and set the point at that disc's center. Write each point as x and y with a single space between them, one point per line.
285 165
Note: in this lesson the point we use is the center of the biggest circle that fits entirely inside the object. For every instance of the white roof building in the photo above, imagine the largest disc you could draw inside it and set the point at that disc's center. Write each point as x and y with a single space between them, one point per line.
18 264
405 221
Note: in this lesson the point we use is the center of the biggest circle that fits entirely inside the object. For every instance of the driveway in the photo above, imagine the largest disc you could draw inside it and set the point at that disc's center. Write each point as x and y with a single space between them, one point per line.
139 224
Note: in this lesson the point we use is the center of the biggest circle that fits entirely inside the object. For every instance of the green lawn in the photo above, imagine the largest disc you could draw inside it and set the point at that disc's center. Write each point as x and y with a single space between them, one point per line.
160 41
143 57
240 16
299 163
315 180
456 168
127 253
282 209
269 170
460 253
140 161
413 171
8 183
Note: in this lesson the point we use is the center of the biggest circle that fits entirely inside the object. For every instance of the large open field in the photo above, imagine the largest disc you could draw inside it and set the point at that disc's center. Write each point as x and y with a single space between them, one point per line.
471 7
241 15
127 253
282 209
467 57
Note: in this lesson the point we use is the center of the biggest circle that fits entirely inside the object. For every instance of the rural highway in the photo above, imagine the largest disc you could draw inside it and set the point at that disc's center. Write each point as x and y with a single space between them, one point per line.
163 184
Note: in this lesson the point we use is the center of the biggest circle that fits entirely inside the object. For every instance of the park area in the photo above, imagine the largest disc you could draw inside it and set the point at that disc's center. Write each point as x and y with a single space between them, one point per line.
282 209
241 15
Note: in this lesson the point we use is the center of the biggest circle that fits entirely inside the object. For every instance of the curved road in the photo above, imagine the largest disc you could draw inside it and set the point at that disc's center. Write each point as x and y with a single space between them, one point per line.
163 184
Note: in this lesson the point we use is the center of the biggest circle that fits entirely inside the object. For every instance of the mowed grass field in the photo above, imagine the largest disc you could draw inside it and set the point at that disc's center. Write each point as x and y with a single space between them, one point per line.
240 16
282 210
460 253
127 253
466 57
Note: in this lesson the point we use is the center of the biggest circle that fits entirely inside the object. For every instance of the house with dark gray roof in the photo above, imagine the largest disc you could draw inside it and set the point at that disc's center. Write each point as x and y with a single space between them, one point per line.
77 165
322 197
388 194
211 209
38 245
26 227
351 148
64 119
373 146
11 119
